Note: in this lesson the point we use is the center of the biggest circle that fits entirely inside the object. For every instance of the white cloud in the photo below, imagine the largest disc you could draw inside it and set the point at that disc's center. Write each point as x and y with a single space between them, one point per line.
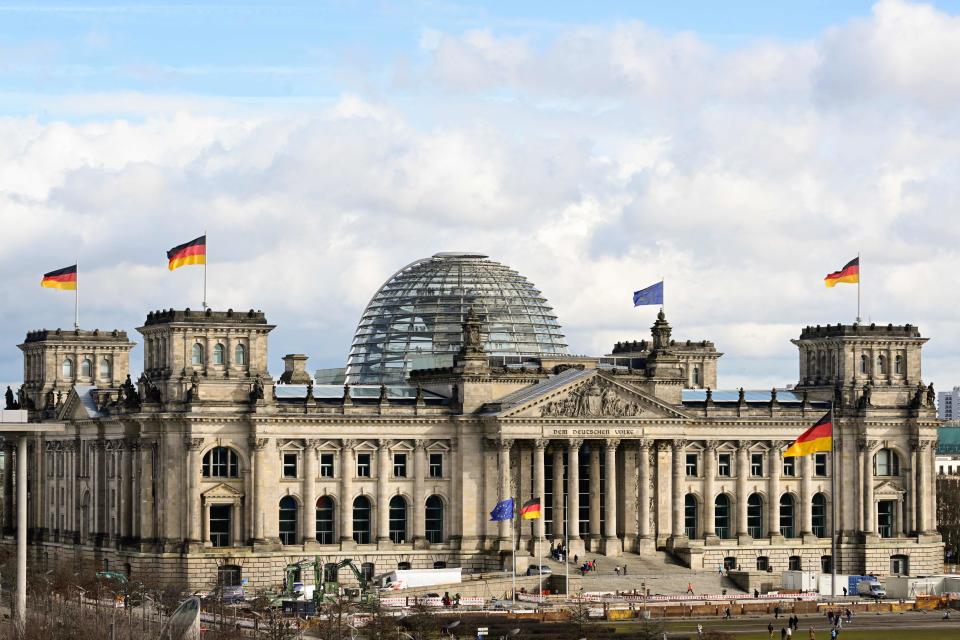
594 162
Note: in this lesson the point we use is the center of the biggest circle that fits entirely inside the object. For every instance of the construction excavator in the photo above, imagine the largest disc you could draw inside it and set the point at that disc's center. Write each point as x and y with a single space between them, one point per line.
328 576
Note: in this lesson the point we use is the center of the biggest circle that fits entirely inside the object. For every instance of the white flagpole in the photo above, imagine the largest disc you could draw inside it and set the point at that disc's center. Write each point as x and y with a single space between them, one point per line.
513 549
205 256
566 539
858 287
833 503
542 524
76 298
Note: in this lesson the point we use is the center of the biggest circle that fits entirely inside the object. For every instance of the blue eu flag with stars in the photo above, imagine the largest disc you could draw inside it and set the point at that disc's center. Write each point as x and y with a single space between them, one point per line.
503 510
651 295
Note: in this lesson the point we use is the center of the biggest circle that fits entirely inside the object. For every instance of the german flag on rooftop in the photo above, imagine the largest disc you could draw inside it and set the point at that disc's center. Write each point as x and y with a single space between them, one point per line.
65 278
849 274
817 438
193 252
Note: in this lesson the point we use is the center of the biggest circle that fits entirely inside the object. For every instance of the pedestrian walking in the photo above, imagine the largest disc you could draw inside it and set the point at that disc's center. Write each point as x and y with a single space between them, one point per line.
576 558
776 612
616 569
783 633
690 588
699 631
813 634
756 593
789 633
770 631
624 569
849 616
719 569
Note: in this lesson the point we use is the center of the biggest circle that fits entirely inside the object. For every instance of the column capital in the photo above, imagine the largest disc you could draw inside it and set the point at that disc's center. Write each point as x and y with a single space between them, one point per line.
868 446
776 446
925 444
384 443
258 444
313 443
644 444
347 443
678 444
612 443
575 444
193 444
419 444
743 446
711 445
505 444
540 443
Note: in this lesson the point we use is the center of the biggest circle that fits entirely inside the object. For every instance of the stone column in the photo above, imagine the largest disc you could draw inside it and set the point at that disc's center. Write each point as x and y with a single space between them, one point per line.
347 469
148 531
931 493
539 484
910 501
573 497
193 446
709 481
503 491
595 497
806 497
611 543
309 517
869 509
205 527
743 472
455 528
383 495
419 494
134 482
775 464
679 536
258 509
556 526
646 538
923 484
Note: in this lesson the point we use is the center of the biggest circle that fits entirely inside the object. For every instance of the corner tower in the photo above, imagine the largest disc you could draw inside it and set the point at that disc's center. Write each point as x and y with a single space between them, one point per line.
200 356
54 361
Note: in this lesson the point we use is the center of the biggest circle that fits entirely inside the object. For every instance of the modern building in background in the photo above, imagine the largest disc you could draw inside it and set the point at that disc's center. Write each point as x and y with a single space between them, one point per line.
948 404
459 393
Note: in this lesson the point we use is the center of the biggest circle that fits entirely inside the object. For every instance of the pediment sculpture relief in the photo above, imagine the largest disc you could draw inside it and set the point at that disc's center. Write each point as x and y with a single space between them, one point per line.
595 399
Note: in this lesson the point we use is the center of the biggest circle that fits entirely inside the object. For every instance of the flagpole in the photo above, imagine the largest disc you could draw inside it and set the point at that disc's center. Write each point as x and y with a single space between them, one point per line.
859 278
513 549
833 503
205 258
76 298
566 539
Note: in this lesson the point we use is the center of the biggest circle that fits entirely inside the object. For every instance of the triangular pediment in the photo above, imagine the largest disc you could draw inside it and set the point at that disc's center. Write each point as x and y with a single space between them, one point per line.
79 404
887 489
591 395
222 490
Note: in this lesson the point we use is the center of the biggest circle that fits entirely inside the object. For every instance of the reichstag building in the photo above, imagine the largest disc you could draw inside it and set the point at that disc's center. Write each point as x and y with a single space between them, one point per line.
459 391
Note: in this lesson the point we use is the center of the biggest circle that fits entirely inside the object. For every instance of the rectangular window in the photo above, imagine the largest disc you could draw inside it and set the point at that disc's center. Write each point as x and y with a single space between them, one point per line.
691 464
789 466
399 465
436 465
885 511
363 465
820 464
723 465
326 465
289 465
756 465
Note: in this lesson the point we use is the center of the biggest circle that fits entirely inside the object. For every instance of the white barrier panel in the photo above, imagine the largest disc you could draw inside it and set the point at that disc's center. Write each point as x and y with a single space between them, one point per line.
599 597
394 601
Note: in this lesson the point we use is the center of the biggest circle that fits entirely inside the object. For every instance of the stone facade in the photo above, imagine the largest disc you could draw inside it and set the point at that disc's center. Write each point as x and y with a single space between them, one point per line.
207 466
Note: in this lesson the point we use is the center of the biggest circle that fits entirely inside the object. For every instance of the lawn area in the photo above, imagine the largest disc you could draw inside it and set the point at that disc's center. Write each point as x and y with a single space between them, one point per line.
947 633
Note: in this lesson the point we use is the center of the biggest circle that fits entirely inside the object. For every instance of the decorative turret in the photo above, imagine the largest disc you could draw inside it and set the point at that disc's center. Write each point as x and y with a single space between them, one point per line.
661 332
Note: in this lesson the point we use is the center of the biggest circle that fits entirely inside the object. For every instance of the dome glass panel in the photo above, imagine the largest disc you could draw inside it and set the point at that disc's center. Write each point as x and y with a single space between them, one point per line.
415 320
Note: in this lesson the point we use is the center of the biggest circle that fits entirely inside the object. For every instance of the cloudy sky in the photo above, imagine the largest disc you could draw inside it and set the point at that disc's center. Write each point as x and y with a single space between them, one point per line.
742 152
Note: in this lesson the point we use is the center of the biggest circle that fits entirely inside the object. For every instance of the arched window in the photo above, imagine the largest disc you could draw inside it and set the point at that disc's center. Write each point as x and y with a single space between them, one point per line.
864 364
218 353
882 364
361 520
85 368
67 368
221 462
690 515
787 530
239 355
398 519
819 515
721 515
886 463
288 520
325 520
898 365
105 369
434 520
196 355
755 515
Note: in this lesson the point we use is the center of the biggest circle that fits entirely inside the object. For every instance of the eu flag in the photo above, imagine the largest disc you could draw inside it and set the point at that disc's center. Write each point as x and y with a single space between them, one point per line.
651 295
503 510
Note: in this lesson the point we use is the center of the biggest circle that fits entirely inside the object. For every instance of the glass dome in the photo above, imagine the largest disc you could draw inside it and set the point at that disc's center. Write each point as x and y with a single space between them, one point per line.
415 320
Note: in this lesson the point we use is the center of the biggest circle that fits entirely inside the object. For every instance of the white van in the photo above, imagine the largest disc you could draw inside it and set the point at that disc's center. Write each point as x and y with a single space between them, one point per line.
871 588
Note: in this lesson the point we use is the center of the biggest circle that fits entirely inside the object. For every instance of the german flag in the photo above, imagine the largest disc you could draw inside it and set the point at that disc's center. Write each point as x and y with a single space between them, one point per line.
65 278
819 437
530 509
193 252
850 274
